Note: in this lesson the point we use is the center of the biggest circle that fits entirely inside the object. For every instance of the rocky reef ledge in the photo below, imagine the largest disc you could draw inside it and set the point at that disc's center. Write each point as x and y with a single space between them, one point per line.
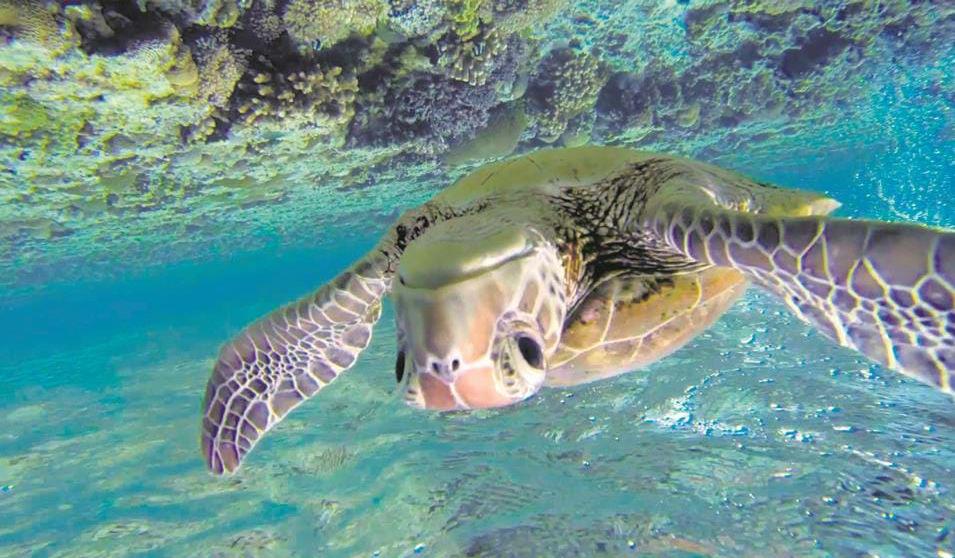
153 130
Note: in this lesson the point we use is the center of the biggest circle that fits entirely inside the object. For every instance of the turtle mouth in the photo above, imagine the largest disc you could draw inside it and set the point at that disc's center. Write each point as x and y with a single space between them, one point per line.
435 393
511 371
472 388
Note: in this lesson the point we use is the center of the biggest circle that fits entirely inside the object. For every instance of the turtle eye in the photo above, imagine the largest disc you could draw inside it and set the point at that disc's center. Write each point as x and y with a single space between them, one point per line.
400 366
531 351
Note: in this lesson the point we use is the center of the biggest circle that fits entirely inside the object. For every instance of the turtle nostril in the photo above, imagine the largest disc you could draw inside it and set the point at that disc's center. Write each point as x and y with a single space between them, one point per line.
455 364
400 366
436 367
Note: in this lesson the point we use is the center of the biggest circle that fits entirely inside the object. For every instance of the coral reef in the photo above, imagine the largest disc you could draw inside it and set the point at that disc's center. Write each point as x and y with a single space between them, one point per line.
428 111
126 123
516 15
220 67
30 20
565 85
472 60
465 17
317 24
321 99
415 18
750 63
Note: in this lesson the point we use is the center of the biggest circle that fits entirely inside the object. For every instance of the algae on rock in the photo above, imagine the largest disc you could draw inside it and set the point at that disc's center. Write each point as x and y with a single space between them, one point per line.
172 128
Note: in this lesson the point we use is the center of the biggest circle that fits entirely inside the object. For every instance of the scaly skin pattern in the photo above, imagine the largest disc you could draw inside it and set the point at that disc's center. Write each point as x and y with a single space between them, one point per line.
883 289
455 339
288 356
283 359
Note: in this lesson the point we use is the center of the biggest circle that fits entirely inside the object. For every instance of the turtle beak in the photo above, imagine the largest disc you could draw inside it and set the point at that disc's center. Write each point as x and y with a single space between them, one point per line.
469 388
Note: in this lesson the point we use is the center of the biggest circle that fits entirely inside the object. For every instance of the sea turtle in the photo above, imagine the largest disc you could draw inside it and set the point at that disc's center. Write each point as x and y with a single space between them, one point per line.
569 265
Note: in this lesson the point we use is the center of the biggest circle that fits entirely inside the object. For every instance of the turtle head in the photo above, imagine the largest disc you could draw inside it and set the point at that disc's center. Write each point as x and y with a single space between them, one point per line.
479 308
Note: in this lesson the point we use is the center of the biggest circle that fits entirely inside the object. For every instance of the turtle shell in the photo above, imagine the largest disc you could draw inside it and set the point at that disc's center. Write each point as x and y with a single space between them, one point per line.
547 168
629 322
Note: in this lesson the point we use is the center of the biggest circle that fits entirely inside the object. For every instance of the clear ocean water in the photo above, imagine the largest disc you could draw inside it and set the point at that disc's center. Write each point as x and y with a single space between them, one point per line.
760 438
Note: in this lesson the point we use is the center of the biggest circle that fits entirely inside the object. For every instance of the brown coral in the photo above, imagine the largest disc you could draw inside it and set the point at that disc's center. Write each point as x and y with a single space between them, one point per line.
471 61
566 84
220 68
315 24
317 98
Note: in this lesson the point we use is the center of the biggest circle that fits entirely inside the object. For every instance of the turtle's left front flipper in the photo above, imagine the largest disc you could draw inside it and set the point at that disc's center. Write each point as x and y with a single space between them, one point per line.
883 289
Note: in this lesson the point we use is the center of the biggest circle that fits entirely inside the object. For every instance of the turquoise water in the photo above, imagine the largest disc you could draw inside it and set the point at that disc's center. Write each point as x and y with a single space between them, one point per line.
760 438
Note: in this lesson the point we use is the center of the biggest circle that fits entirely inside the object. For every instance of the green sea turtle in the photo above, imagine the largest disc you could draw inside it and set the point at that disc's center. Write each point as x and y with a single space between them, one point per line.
569 265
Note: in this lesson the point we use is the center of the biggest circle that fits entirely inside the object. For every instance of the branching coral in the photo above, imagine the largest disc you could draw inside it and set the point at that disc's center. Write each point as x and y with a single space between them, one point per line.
220 13
263 20
316 24
565 84
436 111
431 111
510 72
465 17
472 60
319 99
220 67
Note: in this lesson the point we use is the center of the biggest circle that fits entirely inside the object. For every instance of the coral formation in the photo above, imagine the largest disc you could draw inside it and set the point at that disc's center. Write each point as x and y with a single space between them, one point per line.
319 98
472 60
219 13
565 84
317 24
220 67
747 61
30 20
465 17
429 111
415 18
122 123
516 15
264 21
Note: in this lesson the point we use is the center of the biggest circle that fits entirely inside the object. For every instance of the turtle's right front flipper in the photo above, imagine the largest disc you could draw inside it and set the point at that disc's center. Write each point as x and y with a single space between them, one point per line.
883 289
284 358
